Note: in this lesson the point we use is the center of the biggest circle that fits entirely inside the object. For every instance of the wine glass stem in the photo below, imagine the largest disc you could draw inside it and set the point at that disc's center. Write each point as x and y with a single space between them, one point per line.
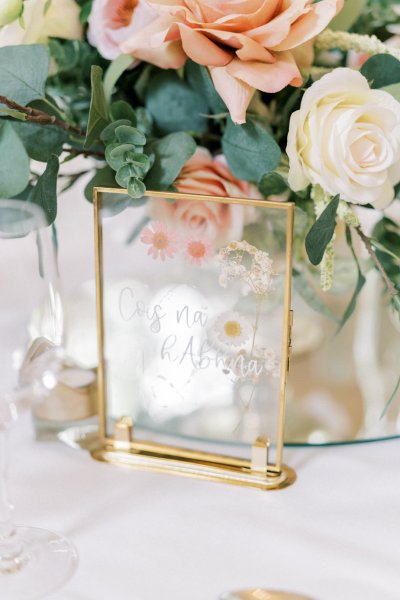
10 546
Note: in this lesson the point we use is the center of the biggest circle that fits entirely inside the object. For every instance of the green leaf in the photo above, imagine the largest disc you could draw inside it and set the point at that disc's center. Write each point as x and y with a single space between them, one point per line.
122 110
44 194
104 177
128 171
171 153
250 150
393 90
130 135
23 72
14 162
350 13
359 286
85 12
310 296
136 188
200 80
144 121
322 232
114 72
141 162
175 106
98 113
108 133
51 142
382 70
115 162
272 184
11 112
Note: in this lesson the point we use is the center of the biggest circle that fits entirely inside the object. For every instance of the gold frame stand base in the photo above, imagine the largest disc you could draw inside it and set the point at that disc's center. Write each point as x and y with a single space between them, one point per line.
212 470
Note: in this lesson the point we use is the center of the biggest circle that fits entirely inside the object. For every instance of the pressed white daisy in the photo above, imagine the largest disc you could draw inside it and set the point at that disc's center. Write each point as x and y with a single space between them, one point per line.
231 329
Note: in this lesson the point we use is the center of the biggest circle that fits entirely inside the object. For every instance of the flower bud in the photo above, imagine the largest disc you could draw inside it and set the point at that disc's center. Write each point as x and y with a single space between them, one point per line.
10 10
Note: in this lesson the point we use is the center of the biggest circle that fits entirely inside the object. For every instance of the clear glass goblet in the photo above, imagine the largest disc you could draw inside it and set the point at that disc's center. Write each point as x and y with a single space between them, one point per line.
33 562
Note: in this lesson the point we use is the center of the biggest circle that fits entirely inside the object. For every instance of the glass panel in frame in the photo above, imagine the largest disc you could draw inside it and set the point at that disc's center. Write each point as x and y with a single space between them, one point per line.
194 315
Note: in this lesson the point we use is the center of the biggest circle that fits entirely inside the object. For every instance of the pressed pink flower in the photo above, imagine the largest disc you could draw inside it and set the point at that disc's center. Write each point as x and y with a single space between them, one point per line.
197 250
246 44
161 239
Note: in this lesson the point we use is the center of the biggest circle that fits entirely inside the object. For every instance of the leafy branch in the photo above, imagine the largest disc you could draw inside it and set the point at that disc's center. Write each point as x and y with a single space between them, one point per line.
34 115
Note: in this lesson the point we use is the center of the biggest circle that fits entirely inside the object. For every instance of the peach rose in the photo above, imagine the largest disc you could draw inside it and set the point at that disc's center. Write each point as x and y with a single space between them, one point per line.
114 21
210 176
246 44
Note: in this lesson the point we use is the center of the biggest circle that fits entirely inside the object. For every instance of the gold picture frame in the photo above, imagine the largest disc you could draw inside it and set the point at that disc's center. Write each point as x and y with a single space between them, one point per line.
123 448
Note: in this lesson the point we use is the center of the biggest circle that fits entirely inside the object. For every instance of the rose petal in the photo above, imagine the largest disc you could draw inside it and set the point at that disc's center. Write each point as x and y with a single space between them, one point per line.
311 24
201 49
268 78
235 93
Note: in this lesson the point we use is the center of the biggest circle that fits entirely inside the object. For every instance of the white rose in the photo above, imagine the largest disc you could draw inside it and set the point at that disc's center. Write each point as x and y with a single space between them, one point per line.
346 138
41 20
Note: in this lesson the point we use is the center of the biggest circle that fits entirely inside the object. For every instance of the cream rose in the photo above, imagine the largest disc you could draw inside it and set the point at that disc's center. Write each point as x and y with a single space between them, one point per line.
346 138
41 20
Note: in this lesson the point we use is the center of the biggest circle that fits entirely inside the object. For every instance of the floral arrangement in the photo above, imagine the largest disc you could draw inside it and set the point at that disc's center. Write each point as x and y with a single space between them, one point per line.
273 99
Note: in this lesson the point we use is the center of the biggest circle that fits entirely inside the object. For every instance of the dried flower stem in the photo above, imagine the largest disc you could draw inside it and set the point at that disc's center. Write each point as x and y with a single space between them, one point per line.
41 118
394 293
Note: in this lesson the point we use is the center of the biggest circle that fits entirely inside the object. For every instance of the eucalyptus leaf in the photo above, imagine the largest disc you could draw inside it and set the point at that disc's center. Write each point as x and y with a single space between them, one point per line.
44 194
14 162
272 184
114 72
23 72
130 135
52 140
175 106
144 121
170 154
322 232
108 133
98 113
136 188
250 150
129 170
119 149
114 162
200 80
382 70
104 177
122 110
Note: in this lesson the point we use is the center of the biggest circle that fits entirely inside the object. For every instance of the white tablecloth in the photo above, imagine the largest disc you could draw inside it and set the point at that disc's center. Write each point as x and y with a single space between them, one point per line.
334 535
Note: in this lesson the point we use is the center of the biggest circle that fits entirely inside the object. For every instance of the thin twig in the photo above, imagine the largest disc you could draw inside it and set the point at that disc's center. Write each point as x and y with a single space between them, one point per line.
81 152
34 115
368 244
